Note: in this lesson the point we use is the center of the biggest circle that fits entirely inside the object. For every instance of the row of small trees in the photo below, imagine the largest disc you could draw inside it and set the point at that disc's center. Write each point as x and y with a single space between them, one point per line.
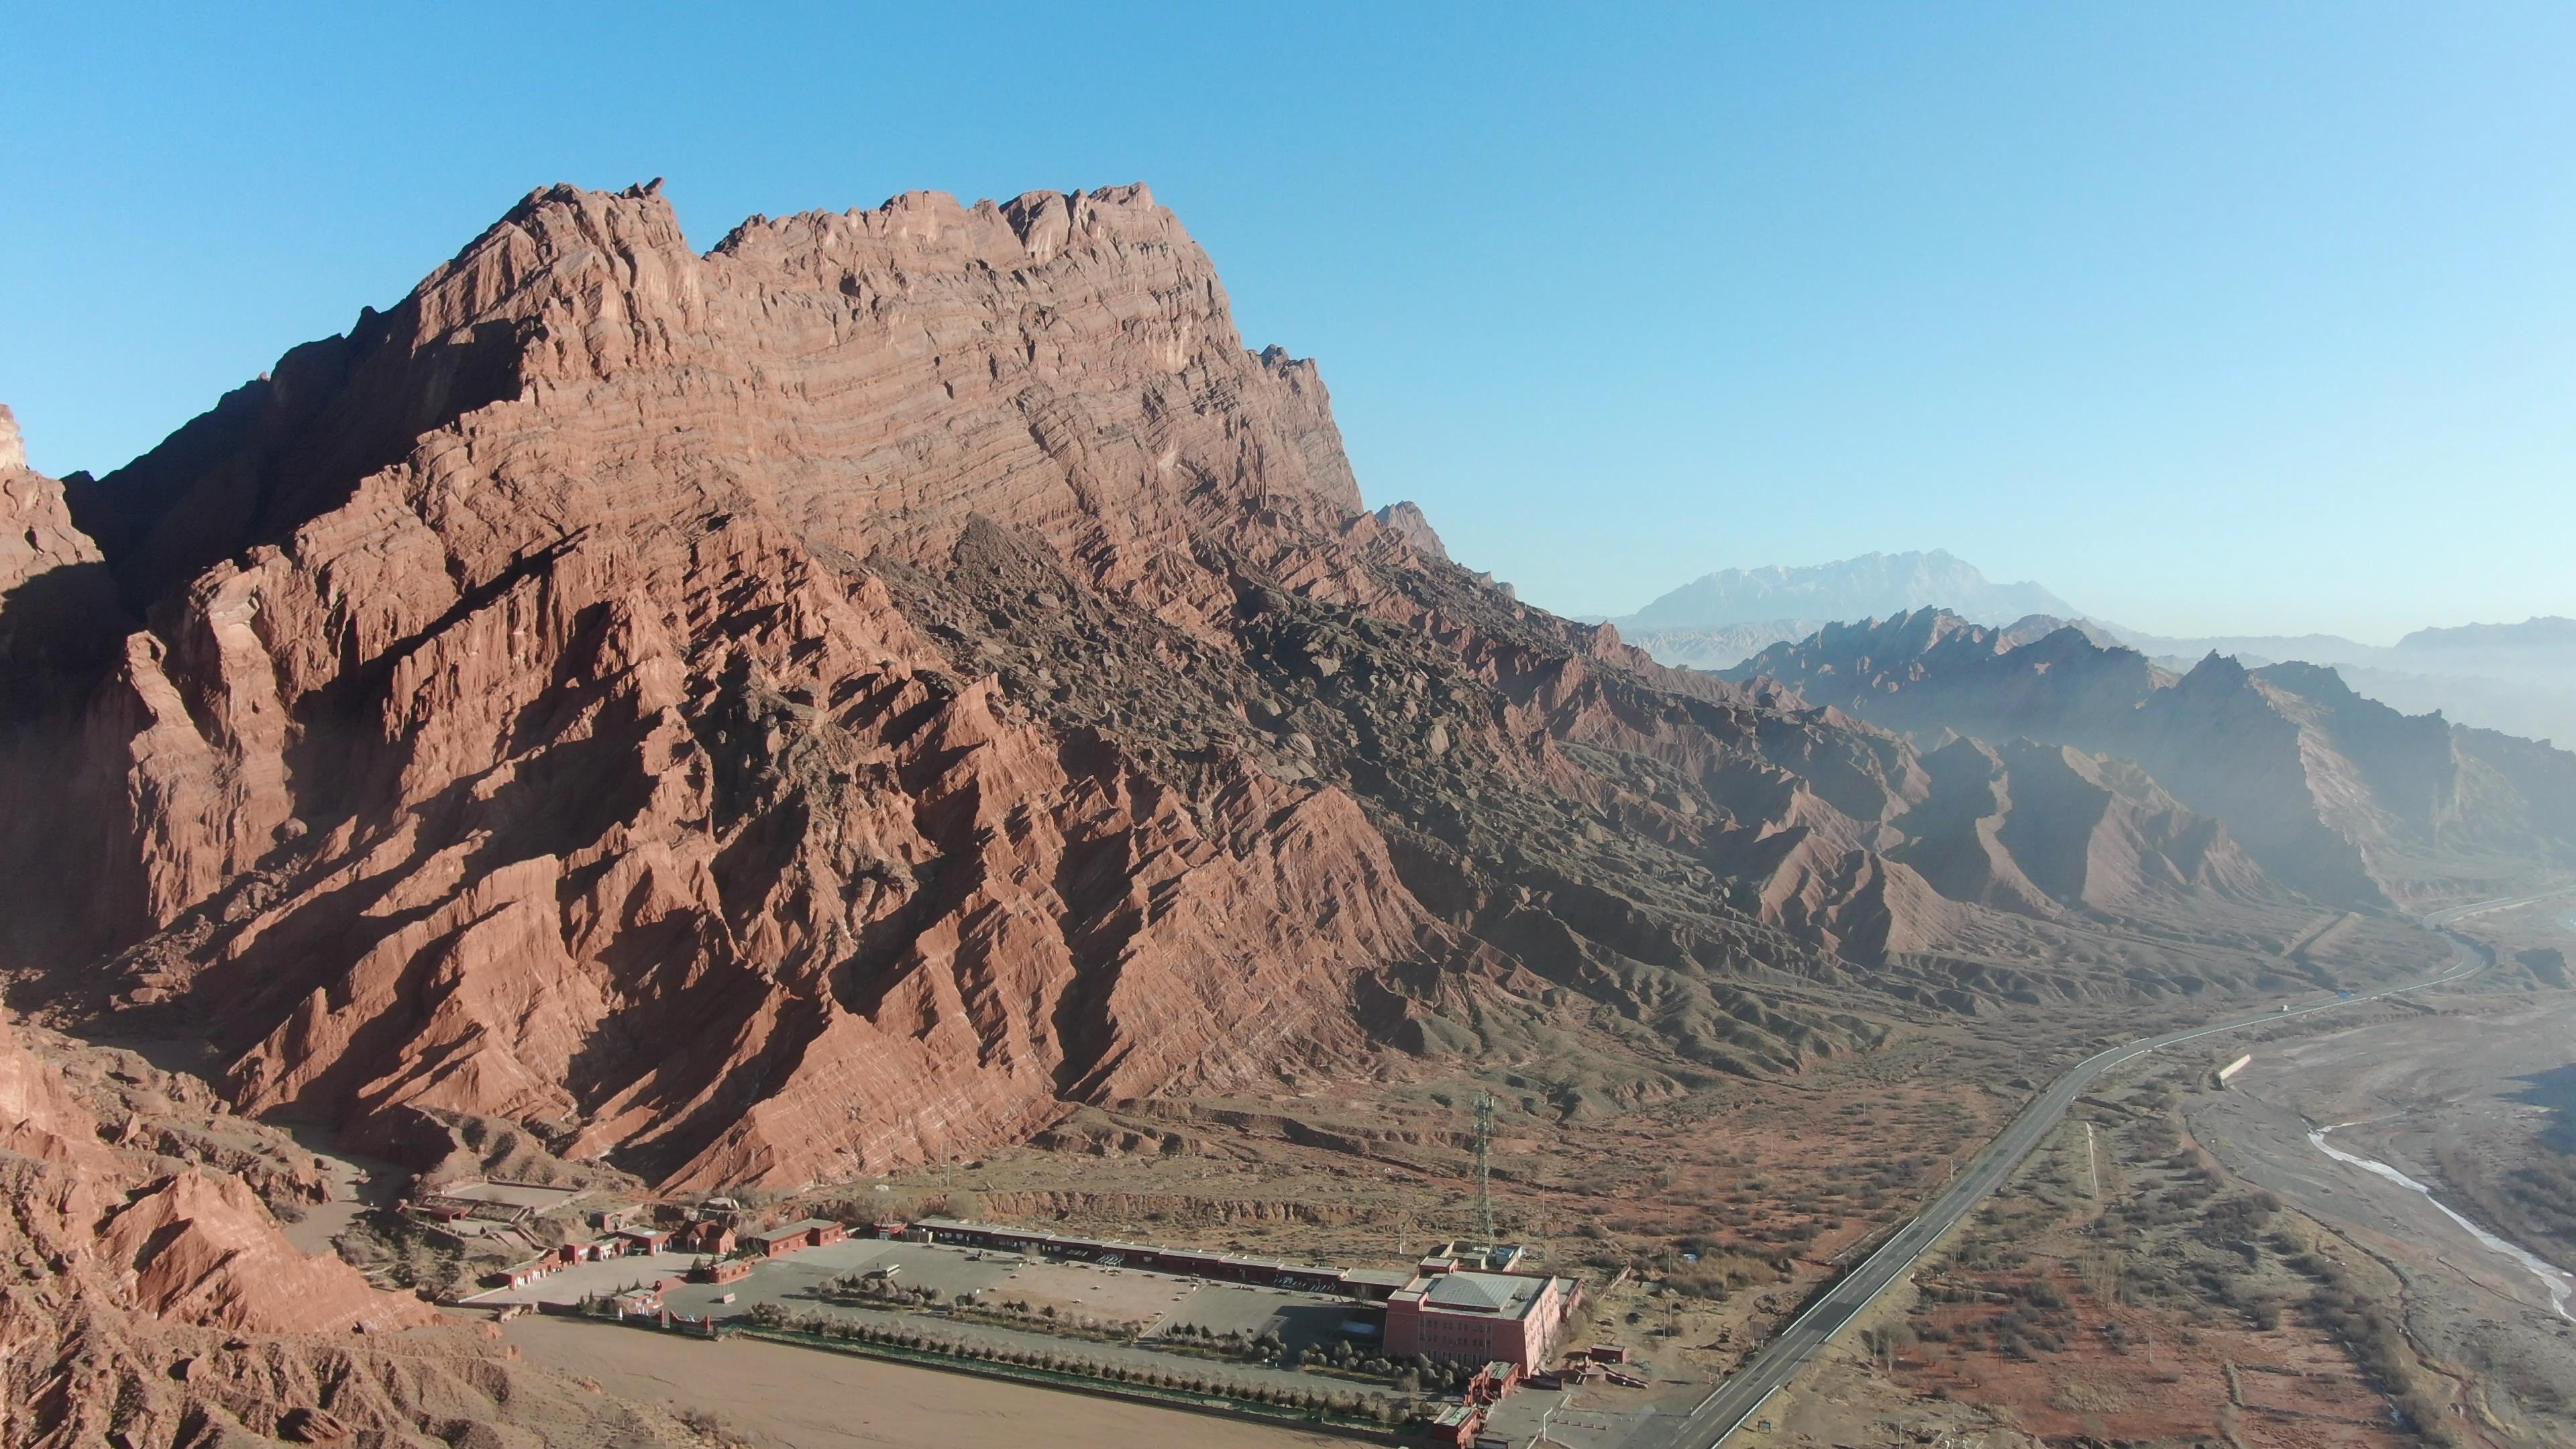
878 1288
1046 1319
1407 1375
881 1288
1372 1408
1265 1347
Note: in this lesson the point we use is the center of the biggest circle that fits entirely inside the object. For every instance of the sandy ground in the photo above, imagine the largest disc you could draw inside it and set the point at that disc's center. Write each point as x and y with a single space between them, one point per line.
359 1185
2417 1091
779 1397
2398 1085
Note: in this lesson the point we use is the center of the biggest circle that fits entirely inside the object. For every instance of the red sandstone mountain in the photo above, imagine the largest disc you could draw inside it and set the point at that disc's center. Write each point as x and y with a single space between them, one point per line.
846 697
2027 825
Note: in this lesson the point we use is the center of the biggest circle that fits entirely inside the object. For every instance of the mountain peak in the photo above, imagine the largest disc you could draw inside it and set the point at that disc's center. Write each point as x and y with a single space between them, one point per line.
1870 585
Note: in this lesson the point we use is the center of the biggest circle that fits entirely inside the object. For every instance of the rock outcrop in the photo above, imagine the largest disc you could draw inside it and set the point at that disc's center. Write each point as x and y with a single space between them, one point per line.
190 1245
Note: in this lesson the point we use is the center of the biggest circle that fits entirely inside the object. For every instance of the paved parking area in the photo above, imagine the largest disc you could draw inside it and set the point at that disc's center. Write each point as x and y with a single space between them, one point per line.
1302 1319
1162 1300
1589 1418
1110 1293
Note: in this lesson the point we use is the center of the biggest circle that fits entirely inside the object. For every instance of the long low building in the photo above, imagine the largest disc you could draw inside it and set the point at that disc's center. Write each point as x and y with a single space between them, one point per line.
797 1236
1366 1284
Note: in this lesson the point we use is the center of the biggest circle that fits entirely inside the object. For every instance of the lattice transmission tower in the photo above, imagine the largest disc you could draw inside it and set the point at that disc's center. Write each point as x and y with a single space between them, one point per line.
1485 1168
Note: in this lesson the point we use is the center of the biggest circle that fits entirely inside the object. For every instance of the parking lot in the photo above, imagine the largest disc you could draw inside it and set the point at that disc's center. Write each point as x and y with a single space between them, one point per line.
1161 1301
791 1281
1301 1319
1112 1293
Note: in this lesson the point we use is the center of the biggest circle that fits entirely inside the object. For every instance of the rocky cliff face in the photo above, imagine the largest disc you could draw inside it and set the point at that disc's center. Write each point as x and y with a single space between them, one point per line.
842 699
2335 795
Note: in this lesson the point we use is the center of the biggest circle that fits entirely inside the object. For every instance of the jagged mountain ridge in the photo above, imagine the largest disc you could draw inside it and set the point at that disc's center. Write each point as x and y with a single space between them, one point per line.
2336 795
839 700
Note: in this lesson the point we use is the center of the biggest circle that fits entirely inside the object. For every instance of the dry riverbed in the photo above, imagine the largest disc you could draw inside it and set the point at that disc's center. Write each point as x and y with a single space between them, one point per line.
2463 1103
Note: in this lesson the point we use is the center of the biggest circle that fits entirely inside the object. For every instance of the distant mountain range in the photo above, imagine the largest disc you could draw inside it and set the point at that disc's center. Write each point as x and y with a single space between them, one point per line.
2517 678
2338 796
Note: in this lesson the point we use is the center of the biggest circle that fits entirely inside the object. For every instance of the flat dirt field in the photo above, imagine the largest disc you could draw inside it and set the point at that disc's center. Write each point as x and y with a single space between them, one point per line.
777 1397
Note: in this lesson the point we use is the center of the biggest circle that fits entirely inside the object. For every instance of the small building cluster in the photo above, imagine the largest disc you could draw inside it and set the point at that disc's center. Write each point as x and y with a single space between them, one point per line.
1464 1304
712 1233
1462 1423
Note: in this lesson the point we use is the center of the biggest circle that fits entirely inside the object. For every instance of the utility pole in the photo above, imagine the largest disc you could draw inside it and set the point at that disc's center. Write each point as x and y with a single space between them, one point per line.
1485 1167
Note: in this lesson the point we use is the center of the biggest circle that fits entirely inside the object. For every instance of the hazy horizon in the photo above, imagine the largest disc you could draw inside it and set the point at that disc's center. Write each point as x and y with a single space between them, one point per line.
2213 322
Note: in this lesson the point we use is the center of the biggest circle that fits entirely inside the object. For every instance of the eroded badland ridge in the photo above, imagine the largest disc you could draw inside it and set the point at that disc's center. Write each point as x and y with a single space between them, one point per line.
907 682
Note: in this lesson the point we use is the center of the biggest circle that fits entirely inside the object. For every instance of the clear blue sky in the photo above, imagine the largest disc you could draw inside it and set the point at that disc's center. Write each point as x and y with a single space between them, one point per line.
2210 317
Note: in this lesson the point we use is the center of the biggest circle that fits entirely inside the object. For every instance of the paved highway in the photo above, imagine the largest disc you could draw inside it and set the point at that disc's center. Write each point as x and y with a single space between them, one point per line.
1726 1410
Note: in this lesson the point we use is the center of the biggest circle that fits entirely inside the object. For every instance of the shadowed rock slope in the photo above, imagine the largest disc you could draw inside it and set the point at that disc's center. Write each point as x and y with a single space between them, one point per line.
2339 796
846 698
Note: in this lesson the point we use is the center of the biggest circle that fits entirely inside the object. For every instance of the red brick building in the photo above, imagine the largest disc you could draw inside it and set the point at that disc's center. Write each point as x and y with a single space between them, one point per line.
1455 1425
798 1236
1481 1318
706 1235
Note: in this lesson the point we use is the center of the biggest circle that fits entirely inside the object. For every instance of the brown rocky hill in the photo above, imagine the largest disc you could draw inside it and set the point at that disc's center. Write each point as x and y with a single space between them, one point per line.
147 1295
844 698
2337 795
2022 825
